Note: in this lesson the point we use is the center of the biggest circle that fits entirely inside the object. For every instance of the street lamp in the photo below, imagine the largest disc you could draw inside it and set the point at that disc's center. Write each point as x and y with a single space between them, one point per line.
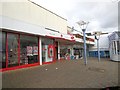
97 37
83 25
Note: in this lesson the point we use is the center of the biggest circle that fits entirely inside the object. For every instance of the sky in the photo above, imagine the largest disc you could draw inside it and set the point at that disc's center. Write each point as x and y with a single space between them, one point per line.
102 14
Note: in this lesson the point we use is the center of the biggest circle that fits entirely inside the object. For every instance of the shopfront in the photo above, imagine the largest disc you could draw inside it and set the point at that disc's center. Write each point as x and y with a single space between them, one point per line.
18 50
66 52
78 51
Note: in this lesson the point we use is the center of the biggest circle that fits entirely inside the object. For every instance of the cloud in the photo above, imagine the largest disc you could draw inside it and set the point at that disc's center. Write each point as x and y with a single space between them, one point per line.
102 14
107 15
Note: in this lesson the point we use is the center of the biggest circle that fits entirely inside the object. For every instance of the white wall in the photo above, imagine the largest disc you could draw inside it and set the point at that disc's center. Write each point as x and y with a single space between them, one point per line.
33 14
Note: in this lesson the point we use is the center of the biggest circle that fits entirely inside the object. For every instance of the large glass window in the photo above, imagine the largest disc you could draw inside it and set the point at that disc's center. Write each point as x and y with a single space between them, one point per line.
2 50
63 52
28 49
12 50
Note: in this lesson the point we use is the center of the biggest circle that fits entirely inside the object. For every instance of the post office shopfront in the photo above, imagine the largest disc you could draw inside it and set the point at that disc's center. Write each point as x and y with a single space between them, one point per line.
22 50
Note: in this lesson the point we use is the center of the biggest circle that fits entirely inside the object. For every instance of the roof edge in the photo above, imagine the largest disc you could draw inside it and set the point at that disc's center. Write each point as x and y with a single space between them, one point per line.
47 9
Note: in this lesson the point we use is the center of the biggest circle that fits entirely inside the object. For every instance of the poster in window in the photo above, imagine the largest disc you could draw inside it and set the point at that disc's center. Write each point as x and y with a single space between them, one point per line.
50 51
35 50
29 50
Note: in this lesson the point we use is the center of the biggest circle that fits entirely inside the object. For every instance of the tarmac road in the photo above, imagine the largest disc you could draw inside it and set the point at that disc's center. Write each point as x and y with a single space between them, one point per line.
64 74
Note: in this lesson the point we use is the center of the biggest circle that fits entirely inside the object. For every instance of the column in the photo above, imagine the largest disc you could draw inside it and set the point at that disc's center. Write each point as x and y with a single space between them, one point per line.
58 51
40 51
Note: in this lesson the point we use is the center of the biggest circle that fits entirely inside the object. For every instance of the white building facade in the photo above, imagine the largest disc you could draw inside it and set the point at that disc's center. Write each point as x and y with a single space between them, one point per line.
103 45
31 35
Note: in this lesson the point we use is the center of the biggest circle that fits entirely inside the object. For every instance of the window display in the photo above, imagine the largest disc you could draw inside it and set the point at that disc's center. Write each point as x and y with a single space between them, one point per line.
17 49
64 52
50 51
28 49
35 50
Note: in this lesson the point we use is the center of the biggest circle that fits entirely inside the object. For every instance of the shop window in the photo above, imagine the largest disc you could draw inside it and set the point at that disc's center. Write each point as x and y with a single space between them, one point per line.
3 50
64 52
28 49
12 50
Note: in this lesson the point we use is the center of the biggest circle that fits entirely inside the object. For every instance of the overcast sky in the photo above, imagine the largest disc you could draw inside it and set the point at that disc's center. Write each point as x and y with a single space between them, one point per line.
102 14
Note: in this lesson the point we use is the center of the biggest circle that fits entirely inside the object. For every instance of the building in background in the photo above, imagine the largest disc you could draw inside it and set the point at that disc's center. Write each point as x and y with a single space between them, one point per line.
114 46
103 45
32 35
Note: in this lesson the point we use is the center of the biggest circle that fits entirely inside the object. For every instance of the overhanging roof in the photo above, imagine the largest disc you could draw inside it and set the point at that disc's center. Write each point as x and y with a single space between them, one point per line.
23 27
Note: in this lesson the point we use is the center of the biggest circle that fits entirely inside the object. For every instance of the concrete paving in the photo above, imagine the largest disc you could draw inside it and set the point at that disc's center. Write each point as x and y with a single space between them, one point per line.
64 74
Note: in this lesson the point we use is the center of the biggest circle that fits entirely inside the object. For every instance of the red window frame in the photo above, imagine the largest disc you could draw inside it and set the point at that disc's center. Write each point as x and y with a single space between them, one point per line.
19 66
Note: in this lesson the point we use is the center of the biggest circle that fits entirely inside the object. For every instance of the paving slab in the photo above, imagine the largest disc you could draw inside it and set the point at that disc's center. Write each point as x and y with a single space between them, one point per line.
64 74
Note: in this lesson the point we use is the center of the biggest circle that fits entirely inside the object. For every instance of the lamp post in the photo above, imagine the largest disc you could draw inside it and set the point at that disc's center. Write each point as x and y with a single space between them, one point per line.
97 37
83 26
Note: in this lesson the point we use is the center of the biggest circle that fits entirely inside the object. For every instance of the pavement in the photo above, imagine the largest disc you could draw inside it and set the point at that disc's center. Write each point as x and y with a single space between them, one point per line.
64 74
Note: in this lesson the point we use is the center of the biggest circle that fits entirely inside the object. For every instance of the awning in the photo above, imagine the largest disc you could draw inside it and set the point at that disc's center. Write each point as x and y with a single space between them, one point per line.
24 27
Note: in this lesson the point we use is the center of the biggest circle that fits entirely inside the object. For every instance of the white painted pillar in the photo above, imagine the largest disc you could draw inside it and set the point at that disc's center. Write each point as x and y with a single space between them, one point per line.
58 51
40 50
